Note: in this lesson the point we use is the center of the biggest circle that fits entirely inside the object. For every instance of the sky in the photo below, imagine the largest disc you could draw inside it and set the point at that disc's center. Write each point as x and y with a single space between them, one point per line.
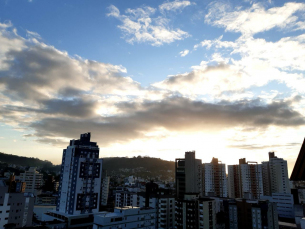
153 78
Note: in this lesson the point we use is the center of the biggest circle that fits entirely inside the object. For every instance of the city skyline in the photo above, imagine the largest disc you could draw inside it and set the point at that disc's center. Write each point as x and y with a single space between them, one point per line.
224 78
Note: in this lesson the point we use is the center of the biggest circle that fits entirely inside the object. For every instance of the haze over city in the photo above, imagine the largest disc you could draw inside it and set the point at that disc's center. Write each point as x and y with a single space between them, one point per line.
155 78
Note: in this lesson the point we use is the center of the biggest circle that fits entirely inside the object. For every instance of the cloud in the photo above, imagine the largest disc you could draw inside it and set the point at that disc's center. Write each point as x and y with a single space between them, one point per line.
249 21
174 114
184 53
259 61
35 72
52 95
268 147
207 79
38 81
174 6
33 34
139 26
6 24
254 61
75 107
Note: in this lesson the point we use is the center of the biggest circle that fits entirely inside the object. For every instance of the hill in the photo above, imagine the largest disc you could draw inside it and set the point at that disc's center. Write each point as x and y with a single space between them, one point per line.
24 161
145 167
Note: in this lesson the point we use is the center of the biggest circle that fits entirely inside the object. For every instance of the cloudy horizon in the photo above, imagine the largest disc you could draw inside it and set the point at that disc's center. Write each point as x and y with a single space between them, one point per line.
223 78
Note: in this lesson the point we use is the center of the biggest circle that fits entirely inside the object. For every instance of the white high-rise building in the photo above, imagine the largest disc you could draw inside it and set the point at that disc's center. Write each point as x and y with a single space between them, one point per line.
245 180
33 180
80 179
275 174
214 179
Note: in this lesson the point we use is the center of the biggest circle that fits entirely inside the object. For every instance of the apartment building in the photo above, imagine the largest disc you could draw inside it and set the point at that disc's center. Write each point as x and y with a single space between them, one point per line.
104 188
188 172
80 178
275 175
15 208
284 204
214 179
126 198
245 180
195 212
33 180
254 214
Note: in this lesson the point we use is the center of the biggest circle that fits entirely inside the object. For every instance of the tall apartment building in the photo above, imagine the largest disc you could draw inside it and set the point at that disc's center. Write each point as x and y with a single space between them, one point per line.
163 200
188 172
80 179
245 180
214 179
104 188
15 208
253 214
166 211
195 212
275 175
33 180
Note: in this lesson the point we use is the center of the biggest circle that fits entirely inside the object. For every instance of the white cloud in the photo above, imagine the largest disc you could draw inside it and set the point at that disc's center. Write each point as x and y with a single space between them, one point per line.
256 18
256 60
6 24
174 6
184 53
32 34
139 26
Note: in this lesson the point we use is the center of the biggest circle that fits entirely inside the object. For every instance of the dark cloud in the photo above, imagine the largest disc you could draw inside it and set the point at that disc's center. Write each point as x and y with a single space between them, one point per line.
174 114
56 107
73 108
270 147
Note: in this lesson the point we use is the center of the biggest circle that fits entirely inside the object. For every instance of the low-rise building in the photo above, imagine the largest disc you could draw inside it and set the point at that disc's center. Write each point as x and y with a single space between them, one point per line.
46 199
126 217
15 208
126 198
254 214
284 203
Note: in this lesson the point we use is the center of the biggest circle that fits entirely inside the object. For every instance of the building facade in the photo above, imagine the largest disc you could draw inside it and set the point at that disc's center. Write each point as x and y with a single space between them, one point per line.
214 179
275 174
33 180
104 188
126 217
126 198
80 179
284 203
245 180
195 212
253 214
15 208
188 175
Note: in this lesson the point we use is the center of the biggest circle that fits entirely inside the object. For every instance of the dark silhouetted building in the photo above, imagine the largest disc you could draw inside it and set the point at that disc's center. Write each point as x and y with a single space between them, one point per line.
298 173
